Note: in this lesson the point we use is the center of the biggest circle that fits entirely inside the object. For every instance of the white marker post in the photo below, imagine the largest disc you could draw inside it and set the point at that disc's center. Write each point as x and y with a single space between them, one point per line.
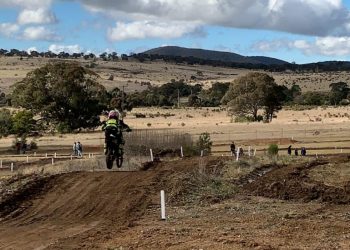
202 153
182 152
92 155
254 152
0 163
55 155
27 158
11 166
162 204
71 157
151 152
237 154
249 151
46 155
52 161
89 156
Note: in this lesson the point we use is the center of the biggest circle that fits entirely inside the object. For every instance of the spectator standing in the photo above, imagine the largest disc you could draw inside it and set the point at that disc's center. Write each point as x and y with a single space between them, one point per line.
233 149
296 152
75 150
80 149
303 151
289 150
241 152
24 148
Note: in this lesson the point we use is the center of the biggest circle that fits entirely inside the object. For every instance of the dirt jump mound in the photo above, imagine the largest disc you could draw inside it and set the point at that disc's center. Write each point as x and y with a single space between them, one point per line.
293 182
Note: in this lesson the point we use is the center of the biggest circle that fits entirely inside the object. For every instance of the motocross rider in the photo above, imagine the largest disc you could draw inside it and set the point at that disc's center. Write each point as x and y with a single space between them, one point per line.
114 126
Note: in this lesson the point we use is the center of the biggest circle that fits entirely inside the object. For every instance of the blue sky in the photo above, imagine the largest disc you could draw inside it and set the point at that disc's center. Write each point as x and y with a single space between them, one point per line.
293 30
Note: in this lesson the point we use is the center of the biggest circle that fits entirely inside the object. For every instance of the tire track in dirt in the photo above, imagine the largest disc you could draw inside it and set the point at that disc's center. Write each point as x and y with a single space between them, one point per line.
76 210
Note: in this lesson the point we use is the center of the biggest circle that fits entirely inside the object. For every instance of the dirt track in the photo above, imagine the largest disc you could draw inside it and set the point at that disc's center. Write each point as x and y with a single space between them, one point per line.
110 210
78 210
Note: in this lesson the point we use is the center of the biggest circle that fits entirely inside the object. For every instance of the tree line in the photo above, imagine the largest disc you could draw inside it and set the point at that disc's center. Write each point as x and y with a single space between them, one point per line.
327 66
113 56
67 97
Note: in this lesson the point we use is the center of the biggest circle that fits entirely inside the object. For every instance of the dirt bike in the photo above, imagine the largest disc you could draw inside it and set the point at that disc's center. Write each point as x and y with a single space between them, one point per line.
114 152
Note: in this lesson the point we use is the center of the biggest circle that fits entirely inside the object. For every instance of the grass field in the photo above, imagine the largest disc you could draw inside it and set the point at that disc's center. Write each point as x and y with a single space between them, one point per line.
134 75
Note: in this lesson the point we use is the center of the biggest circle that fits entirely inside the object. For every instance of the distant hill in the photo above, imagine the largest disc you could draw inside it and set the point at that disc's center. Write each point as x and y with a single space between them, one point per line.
213 55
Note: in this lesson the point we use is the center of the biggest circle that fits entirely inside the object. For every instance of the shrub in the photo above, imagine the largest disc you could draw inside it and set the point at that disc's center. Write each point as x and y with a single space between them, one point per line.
33 145
272 150
244 119
63 128
6 122
204 142
140 115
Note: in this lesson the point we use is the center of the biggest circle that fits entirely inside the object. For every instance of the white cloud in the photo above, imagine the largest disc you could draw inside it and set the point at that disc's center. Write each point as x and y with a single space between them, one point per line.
8 29
310 17
150 29
56 48
39 33
31 49
327 46
38 16
28 4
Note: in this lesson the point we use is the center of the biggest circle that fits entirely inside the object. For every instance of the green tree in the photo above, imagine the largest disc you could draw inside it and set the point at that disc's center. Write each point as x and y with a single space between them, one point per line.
254 91
23 123
120 100
62 93
339 91
275 97
3 99
213 96
6 122
312 98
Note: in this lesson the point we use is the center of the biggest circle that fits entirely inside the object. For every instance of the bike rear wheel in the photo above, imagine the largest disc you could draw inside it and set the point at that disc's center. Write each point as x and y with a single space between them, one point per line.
119 161
119 157
109 159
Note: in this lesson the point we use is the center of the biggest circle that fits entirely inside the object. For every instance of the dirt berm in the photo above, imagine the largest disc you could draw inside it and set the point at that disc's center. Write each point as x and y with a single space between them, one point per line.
79 210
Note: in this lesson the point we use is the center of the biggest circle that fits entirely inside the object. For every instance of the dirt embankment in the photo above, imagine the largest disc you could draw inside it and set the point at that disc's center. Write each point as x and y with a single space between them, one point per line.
74 210
293 182
78 210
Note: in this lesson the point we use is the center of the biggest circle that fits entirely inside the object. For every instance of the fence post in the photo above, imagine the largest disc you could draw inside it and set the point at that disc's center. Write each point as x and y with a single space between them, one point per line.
52 161
0 163
55 154
151 152
202 153
162 204
249 151
27 158
46 155
237 154
182 152
71 157
11 166
254 152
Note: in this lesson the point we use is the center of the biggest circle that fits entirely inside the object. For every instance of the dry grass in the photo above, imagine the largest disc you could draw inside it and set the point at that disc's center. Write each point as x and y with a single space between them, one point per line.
134 75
